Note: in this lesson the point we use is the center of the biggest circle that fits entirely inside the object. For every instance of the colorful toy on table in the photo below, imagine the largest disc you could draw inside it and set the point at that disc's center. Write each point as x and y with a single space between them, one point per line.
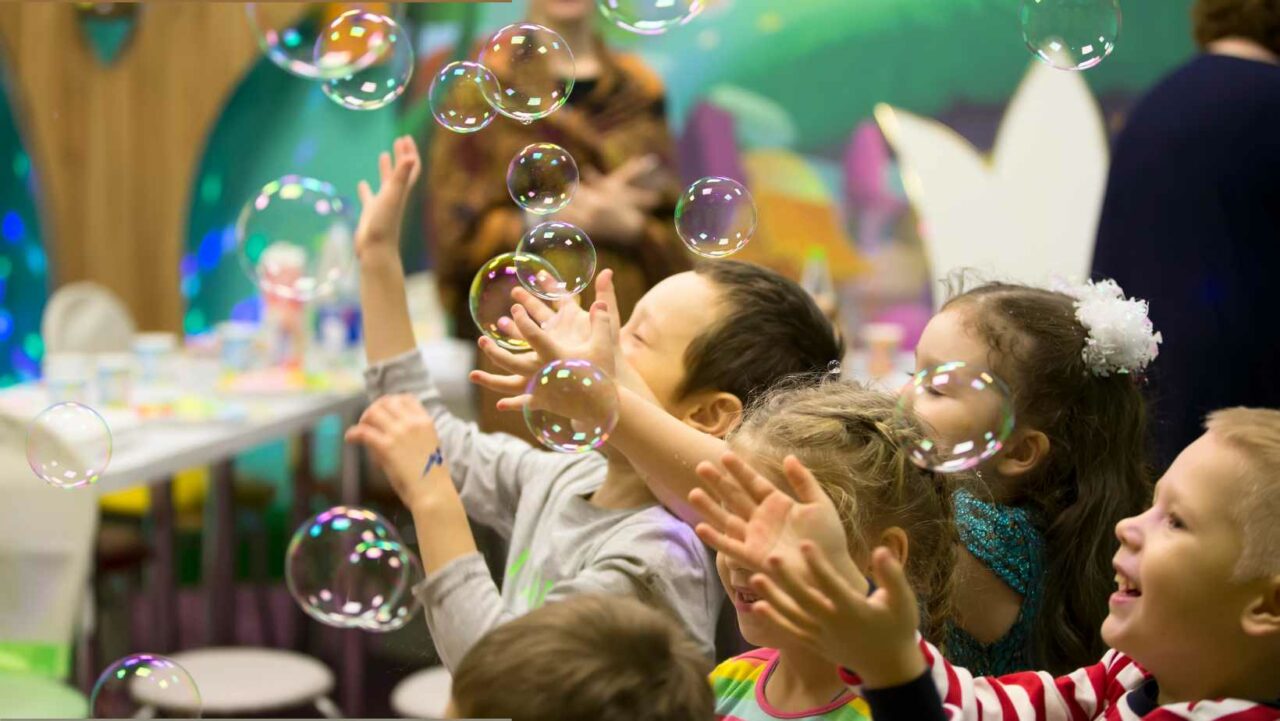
288 379
193 409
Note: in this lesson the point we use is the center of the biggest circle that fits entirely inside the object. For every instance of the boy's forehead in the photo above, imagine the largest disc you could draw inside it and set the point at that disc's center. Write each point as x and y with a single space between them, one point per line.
1209 474
680 294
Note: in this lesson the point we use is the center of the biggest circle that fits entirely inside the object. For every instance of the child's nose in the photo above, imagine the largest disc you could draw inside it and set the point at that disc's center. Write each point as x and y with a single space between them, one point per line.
1128 532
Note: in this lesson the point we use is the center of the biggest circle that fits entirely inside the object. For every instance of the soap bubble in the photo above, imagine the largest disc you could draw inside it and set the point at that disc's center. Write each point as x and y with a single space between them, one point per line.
490 296
288 34
1070 34
566 249
395 615
967 413
715 217
459 96
535 72
144 685
573 406
649 17
69 445
381 82
295 238
345 564
542 178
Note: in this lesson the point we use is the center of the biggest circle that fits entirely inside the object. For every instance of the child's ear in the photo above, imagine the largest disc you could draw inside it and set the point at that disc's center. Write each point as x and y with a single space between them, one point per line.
713 413
895 539
1025 450
1262 616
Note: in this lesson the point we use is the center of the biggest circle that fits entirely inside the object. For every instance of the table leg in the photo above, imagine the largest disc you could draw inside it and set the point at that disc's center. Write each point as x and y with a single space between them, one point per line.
352 640
220 579
304 487
165 592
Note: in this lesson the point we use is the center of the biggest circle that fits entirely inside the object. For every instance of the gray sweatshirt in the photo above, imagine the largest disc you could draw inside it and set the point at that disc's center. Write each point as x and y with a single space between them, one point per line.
560 543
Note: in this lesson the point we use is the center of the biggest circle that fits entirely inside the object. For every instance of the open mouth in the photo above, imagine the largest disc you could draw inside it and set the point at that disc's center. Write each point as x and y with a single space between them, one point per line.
1127 587
744 597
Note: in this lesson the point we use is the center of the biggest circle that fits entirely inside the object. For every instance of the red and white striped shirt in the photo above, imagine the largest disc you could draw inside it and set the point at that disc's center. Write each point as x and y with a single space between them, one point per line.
1114 689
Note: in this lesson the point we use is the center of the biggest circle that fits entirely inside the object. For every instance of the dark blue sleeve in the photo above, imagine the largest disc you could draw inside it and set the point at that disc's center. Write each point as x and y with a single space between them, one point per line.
917 700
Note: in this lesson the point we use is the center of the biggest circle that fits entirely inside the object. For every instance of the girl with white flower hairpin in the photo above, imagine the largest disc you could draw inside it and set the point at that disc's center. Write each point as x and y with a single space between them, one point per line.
1037 537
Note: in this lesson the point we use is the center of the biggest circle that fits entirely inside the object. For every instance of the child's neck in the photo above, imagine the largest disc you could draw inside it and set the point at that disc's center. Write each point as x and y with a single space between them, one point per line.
1245 681
623 487
802 681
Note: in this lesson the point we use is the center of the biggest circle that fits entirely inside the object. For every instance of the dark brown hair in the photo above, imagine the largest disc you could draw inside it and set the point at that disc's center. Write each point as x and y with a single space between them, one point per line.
1095 472
771 329
586 658
855 444
1256 20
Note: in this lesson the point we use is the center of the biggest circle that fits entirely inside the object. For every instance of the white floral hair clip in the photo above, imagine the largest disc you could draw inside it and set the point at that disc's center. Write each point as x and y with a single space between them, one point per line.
1121 338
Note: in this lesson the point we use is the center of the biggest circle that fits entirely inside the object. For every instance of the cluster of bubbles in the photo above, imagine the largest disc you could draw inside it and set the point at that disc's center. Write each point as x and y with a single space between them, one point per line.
362 59
144 685
973 406
349 568
69 445
524 71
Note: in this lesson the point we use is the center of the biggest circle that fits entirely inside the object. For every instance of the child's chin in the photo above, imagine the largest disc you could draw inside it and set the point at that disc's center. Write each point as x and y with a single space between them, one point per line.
1113 632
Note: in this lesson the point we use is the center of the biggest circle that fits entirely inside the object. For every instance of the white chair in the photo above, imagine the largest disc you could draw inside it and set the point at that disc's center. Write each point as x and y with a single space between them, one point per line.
85 317
255 681
46 549
424 694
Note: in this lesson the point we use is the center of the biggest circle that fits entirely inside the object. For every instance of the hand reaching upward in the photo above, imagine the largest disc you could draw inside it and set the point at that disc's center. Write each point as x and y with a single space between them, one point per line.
382 212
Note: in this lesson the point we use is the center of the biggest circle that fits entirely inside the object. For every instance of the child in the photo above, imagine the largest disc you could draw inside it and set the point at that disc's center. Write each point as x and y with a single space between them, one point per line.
848 438
1073 466
586 658
575 523
1071 469
1194 624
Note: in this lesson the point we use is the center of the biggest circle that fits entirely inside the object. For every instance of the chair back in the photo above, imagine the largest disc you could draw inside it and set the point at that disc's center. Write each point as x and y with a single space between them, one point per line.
85 317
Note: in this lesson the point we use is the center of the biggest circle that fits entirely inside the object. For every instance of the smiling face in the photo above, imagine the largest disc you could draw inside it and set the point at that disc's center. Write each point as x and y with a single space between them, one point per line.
663 324
1178 605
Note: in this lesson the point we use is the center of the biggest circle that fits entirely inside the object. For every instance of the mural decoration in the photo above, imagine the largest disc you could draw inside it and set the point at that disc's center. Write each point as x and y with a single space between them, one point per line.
24 268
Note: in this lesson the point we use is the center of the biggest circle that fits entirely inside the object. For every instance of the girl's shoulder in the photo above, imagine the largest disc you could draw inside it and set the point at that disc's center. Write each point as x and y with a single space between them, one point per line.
1004 538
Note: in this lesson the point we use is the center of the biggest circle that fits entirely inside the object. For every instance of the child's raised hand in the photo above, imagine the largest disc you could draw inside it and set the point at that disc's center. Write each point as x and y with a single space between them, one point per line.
382 212
874 636
400 436
750 519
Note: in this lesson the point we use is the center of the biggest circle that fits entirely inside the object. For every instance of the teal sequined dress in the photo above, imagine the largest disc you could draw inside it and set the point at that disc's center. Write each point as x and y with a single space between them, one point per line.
1006 540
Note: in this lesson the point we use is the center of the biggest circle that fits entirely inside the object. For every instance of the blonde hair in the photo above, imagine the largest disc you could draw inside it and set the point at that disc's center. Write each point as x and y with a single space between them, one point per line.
854 442
1255 432
586 658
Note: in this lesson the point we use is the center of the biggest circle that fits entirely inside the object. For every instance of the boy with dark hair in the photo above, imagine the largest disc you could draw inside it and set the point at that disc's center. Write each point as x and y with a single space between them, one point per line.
575 523
586 658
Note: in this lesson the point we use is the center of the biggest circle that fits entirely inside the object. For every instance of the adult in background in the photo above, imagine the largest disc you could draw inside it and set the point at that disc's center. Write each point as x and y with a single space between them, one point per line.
1191 220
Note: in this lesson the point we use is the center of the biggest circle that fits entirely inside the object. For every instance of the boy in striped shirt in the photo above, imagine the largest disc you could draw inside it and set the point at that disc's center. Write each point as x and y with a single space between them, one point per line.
1194 624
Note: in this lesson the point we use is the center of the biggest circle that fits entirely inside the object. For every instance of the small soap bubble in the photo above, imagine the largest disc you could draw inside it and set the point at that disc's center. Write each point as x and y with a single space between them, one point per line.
534 68
459 97
382 81
490 297
649 17
288 33
69 445
295 238
573 406
569 252
1070 34
716 217
967 414
394 616
344 564
144 685
542 178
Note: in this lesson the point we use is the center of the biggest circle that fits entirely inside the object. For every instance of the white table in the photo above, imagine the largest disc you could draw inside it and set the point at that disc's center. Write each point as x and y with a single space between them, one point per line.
151 452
